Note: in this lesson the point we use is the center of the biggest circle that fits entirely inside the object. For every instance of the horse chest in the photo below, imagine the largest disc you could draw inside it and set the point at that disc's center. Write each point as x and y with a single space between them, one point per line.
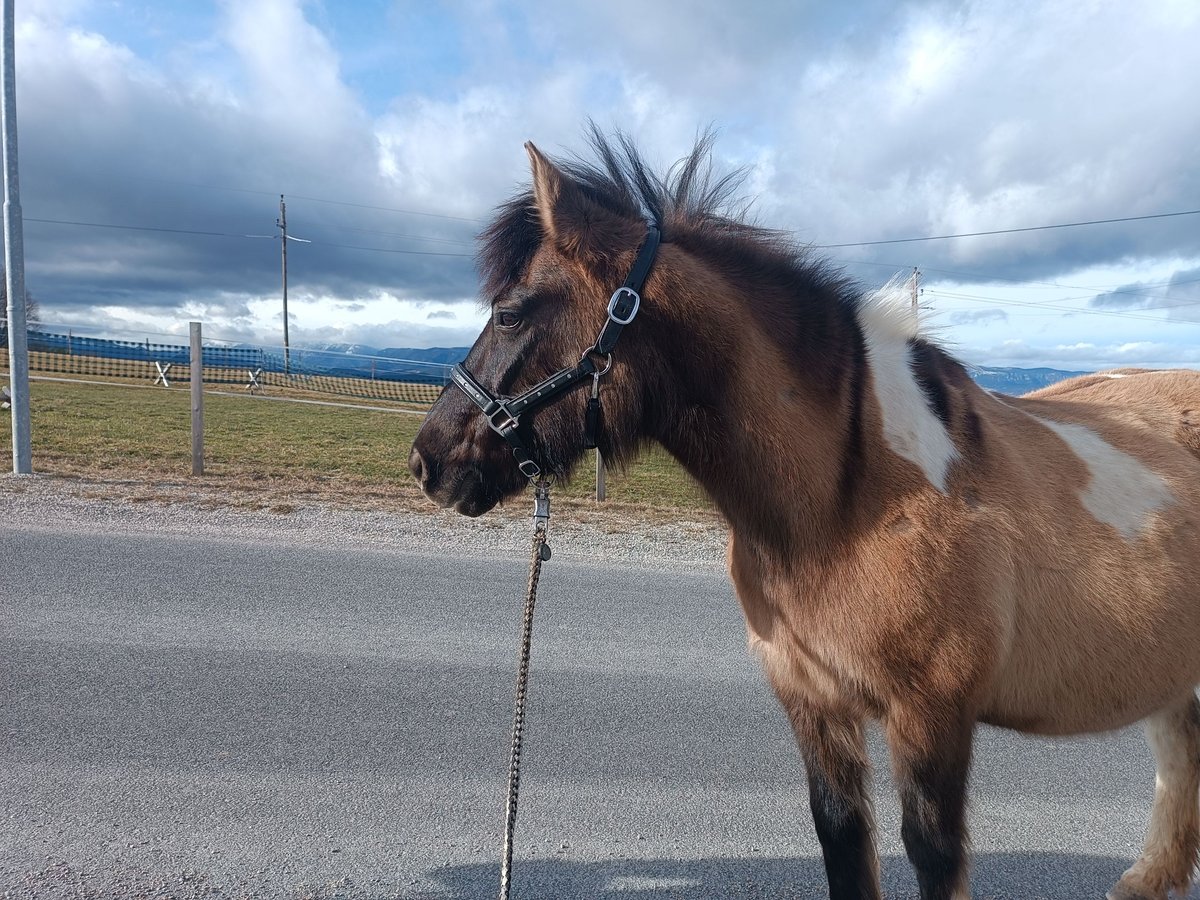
806 647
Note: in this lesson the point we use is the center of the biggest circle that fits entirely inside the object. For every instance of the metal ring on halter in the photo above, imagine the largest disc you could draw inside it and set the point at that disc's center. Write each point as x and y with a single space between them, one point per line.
607 360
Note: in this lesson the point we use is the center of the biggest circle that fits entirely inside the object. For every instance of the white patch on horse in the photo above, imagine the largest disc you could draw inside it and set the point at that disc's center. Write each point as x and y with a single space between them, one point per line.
1122 492
911 428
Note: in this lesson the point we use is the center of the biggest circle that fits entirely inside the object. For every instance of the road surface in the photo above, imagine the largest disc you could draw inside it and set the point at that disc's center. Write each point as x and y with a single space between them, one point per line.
264 710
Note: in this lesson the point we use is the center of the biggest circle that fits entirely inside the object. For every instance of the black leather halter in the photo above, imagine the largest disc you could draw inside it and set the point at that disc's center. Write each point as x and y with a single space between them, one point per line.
504 413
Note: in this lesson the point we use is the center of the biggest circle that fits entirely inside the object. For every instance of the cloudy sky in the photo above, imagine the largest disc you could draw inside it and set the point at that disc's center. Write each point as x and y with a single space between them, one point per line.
156 138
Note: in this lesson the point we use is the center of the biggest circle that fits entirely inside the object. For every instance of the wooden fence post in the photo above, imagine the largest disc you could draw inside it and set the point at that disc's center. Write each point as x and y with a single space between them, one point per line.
197 401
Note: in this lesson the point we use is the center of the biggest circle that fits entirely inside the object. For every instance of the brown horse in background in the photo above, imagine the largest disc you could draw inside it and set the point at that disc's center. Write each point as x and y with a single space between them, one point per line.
906 546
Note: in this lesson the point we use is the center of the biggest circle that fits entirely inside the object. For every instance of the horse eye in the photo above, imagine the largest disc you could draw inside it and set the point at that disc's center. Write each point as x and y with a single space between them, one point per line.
507 319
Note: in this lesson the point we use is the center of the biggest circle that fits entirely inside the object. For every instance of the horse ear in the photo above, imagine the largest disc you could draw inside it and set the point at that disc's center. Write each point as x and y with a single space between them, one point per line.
575 223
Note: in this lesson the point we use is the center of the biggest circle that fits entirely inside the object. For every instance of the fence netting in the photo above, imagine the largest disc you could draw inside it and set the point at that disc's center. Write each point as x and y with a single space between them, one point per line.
253 369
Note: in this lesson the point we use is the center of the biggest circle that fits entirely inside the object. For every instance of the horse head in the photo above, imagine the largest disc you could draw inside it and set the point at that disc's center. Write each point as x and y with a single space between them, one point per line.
519 403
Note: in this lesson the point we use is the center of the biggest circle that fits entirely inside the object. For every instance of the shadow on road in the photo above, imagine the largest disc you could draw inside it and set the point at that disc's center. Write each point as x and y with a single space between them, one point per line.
996 876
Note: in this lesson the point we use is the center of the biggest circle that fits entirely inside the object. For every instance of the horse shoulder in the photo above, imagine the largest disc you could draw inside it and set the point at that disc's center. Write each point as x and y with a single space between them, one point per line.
915 601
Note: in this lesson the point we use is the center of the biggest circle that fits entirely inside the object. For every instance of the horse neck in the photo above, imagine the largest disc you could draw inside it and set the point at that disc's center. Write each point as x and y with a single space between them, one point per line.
772 426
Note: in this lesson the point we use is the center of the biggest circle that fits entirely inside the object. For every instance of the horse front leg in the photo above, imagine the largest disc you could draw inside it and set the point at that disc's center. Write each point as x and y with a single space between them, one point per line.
931 757
835 757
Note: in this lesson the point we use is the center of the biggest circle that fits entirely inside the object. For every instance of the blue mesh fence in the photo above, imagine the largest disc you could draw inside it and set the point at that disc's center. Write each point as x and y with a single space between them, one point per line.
254 368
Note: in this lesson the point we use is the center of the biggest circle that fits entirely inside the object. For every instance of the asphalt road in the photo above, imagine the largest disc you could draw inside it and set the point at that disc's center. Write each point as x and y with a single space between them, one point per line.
246 716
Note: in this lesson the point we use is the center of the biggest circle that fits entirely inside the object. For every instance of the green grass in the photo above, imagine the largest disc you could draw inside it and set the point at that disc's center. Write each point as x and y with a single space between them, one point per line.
145 433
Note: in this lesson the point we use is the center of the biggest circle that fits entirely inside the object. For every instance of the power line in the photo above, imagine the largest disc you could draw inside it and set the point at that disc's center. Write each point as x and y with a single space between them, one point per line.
234 235
392 250
203 233
411 237
1139 291
946 237
138 228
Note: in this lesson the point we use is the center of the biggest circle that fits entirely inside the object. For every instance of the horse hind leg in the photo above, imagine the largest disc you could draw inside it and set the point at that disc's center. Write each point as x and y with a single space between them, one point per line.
1173 837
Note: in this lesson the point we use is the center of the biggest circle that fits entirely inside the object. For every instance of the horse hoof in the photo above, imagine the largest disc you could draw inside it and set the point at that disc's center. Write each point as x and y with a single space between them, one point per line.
1123 891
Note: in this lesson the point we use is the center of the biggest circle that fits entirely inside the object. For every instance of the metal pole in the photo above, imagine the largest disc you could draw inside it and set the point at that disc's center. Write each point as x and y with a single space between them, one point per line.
287 362
197 401
14 256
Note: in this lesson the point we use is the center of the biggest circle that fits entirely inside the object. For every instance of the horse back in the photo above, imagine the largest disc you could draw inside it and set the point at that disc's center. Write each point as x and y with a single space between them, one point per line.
1166 400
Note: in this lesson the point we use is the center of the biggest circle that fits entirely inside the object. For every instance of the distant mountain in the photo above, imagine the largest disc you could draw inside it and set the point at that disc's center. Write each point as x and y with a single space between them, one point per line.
340 359
1017 381
431 364
347 349
445 355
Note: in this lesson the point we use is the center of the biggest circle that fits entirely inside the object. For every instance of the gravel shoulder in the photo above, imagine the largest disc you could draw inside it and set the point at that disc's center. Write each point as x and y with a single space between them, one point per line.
652 539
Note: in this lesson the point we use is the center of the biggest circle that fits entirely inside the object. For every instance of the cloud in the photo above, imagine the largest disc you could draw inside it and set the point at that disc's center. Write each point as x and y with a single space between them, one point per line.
108 137
858 122
1129 296
442 314
1182 299
977 317
398 333
1179 297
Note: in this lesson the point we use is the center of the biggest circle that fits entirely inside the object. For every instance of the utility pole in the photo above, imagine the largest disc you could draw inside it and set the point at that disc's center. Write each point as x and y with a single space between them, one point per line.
197 361
916 290
14 253
281 222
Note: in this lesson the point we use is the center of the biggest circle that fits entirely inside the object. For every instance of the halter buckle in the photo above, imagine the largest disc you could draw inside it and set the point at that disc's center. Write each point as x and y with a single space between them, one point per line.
508 423
616 305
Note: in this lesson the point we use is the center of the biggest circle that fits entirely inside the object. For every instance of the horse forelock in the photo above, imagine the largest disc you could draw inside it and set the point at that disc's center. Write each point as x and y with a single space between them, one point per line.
507 245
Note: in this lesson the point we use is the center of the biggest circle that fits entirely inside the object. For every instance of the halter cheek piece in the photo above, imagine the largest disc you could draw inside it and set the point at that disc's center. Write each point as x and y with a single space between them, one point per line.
504 413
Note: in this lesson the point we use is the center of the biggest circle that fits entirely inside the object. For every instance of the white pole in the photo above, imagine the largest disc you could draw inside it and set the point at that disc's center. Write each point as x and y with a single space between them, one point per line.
197 400
14 255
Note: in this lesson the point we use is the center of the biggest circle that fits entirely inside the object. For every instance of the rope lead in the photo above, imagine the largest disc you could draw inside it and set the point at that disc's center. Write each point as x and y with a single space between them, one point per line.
540 552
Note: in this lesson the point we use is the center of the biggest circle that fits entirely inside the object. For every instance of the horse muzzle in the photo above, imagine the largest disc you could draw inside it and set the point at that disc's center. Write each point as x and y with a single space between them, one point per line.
462 488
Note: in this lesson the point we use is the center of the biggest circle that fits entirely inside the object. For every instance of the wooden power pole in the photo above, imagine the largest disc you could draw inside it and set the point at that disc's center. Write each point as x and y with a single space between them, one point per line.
283 239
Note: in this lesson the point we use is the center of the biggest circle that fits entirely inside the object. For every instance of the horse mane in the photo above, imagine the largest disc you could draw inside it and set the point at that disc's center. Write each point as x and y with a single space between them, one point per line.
804 303
693 206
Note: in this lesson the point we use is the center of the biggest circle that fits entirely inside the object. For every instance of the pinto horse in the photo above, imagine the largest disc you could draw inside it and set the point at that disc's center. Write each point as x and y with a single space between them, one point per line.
906 546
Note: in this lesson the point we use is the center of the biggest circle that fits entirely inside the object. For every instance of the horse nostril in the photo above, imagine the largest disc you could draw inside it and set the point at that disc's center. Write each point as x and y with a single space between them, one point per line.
416 465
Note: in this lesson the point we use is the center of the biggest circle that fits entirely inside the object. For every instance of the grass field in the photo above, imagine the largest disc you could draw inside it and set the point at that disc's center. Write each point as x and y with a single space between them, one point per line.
140 433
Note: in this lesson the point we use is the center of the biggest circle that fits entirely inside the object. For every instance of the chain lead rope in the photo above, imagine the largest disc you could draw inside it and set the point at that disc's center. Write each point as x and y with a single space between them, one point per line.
540 552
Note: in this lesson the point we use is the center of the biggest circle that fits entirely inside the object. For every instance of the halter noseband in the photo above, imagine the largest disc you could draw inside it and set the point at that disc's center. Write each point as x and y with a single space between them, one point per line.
504 413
